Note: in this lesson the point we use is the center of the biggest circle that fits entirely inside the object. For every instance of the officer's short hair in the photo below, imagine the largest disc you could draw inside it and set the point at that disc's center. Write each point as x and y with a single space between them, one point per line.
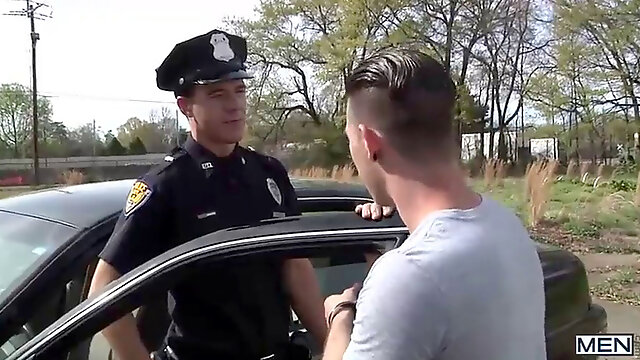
412 94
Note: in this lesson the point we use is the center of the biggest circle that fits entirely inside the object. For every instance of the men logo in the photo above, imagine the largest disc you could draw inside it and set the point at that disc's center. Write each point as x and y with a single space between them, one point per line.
274 190
605 344
138 195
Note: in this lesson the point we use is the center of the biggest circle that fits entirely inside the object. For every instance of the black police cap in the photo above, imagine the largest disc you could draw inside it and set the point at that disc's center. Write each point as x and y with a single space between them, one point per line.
205 59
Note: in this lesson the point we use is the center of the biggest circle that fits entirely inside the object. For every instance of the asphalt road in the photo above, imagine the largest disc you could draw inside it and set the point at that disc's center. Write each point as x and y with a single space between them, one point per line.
622 319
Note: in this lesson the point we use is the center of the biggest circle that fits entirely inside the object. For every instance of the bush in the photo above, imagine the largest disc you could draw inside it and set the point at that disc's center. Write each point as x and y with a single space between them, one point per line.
72 177
622 185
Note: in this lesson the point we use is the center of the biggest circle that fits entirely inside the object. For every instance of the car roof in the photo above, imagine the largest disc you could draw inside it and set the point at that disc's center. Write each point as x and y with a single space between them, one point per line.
85 205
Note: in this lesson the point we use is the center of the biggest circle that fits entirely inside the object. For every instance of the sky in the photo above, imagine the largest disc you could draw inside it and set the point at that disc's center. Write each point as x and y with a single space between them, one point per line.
94 57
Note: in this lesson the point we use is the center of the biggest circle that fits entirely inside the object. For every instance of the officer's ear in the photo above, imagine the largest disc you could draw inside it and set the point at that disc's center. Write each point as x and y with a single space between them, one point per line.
186 106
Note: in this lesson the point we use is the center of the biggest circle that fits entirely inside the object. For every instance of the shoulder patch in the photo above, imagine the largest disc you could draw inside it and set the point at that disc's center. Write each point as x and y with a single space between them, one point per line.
138 195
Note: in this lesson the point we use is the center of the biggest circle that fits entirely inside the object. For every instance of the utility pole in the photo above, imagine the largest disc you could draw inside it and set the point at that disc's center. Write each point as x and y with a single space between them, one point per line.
94 139
34 38
30 12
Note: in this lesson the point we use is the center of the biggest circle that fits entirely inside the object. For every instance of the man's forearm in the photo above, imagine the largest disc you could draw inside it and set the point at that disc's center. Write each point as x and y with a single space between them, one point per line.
339 336
122 335
124 338
306 297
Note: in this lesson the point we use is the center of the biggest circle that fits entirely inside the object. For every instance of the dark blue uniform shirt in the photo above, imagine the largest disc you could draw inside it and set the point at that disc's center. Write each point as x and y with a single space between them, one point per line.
241 310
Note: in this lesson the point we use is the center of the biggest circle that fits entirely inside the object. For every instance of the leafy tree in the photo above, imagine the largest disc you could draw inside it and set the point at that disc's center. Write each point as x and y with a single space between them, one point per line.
137 147
86 140
115 148
16 117
148 132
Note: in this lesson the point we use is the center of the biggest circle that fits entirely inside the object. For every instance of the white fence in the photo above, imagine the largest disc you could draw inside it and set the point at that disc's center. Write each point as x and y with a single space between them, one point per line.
80 162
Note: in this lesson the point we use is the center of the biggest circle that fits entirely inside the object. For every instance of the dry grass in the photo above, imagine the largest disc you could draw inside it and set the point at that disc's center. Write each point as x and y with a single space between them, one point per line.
340 173
489 172
72 177
605 172
501 172
494 172
572 170
538 180
585 169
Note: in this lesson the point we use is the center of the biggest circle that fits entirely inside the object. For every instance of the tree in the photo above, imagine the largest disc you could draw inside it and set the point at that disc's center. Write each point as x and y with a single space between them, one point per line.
54 139
115 148
302 51
86 141
137 147
168 126
16 117
149 133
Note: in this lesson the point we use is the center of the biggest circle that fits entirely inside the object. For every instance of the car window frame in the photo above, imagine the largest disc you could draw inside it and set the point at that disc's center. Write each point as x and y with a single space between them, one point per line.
90 317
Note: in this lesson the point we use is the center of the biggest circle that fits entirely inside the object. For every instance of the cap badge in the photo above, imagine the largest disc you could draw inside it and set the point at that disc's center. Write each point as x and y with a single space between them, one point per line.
221 49
274 190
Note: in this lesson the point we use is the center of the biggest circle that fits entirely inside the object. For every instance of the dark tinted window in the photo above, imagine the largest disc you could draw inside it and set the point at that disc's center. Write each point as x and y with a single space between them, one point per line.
25 242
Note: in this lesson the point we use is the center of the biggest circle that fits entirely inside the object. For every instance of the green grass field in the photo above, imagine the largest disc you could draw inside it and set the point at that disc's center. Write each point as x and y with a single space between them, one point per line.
579 208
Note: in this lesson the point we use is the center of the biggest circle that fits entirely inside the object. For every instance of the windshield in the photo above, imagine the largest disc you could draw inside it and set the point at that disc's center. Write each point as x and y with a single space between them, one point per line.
25 242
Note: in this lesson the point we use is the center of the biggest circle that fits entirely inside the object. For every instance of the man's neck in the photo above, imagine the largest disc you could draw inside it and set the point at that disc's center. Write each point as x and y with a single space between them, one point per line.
429 191
218 149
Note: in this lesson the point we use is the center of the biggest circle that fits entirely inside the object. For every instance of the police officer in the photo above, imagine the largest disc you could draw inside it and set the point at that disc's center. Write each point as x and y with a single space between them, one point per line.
208 184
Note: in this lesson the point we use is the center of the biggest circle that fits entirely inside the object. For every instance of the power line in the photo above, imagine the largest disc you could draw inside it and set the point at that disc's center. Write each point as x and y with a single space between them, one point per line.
105 98
53 94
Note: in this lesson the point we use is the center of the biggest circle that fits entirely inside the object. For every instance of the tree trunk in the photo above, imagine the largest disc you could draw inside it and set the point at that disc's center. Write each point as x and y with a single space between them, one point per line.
502 144
491 132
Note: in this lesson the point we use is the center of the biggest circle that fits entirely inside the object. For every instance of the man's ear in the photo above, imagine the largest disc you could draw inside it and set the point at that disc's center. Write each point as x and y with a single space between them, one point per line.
186 107
372 141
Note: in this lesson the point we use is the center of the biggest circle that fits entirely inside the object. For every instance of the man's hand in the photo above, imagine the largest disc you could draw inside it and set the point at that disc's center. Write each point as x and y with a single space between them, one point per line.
374 211
342 324
349 294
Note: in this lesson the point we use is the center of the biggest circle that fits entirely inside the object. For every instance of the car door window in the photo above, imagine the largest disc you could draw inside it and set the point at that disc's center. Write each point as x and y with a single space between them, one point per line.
338 260
51 307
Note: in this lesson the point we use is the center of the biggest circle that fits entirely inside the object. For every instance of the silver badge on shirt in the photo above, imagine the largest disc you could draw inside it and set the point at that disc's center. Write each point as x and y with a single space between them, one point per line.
274 190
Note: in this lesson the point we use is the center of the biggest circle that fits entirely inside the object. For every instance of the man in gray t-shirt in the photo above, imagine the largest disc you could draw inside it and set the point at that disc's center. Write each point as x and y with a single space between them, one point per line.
467 283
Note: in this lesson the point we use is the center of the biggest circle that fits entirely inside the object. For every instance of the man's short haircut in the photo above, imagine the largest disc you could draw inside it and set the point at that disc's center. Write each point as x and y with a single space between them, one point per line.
412 95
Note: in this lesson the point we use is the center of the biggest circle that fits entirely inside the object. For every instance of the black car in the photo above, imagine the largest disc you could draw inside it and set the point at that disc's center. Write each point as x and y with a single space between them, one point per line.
50 241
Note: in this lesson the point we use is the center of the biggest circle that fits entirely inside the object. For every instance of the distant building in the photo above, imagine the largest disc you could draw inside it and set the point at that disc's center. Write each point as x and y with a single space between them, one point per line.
471 144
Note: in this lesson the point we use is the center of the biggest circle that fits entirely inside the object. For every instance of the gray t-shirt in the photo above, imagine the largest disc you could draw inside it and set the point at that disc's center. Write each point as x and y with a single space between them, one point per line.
467 284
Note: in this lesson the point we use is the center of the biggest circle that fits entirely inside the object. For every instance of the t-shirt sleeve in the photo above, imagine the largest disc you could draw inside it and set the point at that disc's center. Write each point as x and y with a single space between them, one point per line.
141 231
400 313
